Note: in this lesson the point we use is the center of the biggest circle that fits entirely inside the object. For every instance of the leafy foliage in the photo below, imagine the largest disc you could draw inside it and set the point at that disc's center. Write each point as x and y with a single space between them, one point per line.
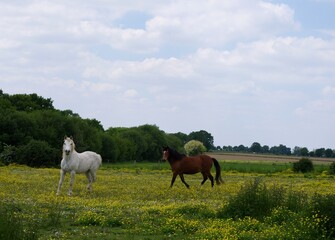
204 137
323 208
332 168
304 165
37 153
251 196
7 156
31 132
194 147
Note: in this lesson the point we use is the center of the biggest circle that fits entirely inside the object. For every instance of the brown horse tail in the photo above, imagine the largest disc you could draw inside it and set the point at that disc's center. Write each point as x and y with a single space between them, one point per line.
218 178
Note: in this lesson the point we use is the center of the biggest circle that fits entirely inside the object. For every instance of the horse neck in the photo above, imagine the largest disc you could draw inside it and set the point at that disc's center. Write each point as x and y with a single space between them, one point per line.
71 156
175 156
175 159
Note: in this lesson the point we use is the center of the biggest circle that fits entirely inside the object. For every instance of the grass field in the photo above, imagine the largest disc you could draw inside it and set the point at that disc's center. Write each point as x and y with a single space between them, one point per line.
134 201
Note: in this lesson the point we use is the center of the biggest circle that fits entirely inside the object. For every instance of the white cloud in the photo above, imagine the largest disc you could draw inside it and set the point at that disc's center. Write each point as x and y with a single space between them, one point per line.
318 109
238 61
7 44
328 90
247 87
172 22
130 93
227 21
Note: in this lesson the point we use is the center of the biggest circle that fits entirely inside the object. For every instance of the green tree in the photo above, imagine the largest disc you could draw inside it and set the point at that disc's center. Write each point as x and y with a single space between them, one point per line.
329 153
126 151
204 137
38 154
24 118
280 150
175 142
301 151
227 148
304 152
241 148
155 139
265 149
194 147
109 148
182 136
16 128
256 147
30 102
320 152
137 140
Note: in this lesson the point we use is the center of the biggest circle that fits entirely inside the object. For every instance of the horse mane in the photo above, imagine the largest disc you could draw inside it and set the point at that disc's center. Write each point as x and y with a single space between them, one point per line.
173 154
70 139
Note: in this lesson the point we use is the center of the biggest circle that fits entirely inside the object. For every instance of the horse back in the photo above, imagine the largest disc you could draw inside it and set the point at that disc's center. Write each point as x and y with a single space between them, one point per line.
91 157
192 165
88 161
207 161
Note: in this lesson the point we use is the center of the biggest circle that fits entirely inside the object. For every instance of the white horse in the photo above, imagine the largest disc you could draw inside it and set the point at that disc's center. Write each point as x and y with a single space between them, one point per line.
73 162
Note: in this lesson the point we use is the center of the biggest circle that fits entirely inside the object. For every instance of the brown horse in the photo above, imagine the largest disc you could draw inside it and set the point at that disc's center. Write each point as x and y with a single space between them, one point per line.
182 164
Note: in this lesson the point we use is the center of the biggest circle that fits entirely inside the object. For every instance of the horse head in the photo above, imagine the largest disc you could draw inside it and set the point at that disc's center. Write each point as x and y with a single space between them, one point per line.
166 153
68 145
170 154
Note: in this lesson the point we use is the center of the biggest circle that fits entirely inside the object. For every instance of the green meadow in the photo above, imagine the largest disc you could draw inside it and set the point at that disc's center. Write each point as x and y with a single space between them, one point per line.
133 201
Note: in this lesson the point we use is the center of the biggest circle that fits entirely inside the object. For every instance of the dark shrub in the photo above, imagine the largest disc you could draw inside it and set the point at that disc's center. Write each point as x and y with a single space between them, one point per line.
254 200
38 154
332 168
304 165
7 156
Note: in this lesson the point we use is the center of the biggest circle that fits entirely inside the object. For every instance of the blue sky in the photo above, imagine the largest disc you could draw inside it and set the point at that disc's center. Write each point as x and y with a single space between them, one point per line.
244 70
313 15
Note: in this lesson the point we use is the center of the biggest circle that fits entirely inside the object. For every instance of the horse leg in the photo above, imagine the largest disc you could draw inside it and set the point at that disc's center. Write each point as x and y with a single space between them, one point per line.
205 178
73 173
211 178
183 180
173 179
90 180
94 176
62 175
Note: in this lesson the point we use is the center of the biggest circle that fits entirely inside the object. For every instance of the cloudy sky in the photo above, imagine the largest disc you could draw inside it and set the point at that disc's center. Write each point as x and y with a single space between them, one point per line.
244 70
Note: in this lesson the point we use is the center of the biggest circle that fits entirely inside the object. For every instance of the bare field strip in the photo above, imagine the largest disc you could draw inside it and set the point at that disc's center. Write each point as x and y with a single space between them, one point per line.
261 157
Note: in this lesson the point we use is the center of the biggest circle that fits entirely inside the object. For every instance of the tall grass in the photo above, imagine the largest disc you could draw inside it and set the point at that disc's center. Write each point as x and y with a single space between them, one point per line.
315 218
12 226
255 199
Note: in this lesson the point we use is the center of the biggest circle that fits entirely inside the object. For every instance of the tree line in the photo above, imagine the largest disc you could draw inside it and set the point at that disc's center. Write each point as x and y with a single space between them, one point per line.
32 132
280 150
